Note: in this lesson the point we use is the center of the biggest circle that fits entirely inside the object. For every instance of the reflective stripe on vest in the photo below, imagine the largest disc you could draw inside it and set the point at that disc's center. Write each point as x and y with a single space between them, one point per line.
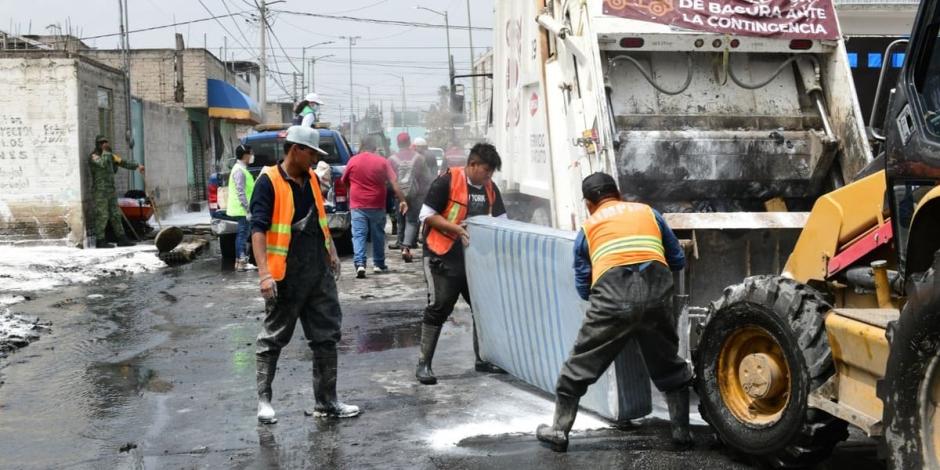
234 207
279 235
620 234
456 211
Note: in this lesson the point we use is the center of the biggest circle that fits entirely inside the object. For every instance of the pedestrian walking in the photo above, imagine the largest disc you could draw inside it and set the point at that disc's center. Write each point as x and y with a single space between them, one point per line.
421 147
366 177
413 179
240 186
307 112
103 164
297 263
460 193
623 257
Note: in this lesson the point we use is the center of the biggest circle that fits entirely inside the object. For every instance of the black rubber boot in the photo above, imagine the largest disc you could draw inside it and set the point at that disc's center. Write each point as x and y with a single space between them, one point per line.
479 364
125 242
429 337
324 390
678 402
265 369
556 435
103 244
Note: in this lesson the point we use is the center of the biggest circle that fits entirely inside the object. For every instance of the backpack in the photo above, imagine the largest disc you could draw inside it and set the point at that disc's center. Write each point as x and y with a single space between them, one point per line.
405 173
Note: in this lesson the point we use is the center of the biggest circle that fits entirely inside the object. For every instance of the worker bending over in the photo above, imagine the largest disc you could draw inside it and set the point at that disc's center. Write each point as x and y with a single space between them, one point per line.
623 256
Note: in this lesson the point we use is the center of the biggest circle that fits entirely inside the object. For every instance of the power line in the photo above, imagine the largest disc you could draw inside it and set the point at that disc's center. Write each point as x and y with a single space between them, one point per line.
239 28
171 25
378 21
222 25
281 46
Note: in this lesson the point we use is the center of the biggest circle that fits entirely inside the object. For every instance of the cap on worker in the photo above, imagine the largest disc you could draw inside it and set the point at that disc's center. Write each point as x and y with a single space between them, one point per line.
305 136
404 138
597 185
420 142
100 138
313 98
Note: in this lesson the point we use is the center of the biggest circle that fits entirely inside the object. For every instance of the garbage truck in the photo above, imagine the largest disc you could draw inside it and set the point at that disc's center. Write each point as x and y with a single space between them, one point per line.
729 117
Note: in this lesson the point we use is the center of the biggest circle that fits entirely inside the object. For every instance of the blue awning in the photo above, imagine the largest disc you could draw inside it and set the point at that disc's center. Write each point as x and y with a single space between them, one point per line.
228 102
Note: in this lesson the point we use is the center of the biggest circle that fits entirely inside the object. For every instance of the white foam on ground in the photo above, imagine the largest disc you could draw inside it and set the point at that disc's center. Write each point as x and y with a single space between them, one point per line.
33 268
497 419
183 219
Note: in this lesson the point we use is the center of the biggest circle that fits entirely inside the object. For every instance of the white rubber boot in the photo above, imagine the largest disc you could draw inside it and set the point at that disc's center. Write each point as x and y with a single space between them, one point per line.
266 412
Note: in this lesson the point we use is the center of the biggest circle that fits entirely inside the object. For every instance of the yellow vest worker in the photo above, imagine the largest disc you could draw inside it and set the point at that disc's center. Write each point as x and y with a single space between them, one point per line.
624 257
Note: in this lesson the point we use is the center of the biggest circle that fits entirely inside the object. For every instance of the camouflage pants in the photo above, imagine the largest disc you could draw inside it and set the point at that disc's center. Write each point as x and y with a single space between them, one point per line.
106 210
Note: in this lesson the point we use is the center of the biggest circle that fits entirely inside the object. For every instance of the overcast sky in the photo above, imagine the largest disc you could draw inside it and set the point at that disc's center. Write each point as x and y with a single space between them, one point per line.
419 54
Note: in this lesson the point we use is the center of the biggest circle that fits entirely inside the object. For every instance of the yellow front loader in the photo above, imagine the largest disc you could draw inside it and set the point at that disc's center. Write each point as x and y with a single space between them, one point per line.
849 332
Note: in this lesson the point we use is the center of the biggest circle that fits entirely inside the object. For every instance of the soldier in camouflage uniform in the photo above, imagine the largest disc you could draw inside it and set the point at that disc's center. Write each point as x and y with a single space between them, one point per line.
103 166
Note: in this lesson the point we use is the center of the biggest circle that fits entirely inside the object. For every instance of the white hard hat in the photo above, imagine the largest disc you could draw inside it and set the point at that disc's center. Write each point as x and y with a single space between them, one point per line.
305 136
420 142
313 98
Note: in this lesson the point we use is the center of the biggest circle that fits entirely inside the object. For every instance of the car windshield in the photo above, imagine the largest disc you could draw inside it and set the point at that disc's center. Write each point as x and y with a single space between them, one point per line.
267 152
328 144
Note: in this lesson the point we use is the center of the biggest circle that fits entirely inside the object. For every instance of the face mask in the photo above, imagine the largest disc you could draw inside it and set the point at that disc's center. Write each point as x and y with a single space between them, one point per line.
251 159
315 107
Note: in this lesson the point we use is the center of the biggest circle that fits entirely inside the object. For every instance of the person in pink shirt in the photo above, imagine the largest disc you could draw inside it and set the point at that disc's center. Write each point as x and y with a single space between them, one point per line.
366 176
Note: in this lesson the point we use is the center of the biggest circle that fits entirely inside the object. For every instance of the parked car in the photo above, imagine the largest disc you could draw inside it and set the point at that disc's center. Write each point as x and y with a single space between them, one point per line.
268 148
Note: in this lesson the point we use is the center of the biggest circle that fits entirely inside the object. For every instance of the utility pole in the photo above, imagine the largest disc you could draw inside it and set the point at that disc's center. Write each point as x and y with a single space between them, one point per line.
303 60
476 128
352 116
263 88
313 71
404 104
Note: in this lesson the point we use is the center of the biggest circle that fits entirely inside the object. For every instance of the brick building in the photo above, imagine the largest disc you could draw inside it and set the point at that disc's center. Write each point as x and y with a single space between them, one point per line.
194 80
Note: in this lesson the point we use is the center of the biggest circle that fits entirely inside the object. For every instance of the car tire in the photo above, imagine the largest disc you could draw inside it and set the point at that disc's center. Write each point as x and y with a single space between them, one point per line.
344 245
227 246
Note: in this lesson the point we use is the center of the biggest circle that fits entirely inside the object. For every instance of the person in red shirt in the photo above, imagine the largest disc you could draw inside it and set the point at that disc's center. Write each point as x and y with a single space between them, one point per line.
366 176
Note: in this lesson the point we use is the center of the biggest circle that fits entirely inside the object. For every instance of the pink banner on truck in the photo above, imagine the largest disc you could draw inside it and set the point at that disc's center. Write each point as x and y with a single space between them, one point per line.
785 19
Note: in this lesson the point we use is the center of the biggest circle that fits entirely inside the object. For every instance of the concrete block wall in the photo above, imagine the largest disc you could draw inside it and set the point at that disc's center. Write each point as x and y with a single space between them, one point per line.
165 134
153 76
48 121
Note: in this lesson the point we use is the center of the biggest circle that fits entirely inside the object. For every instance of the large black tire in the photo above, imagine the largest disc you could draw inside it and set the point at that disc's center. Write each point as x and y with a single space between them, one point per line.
915 343
792 315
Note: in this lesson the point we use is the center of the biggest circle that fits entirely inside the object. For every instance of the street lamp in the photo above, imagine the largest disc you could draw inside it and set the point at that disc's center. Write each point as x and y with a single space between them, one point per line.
404 104
450 59
313 70
303 62
352 117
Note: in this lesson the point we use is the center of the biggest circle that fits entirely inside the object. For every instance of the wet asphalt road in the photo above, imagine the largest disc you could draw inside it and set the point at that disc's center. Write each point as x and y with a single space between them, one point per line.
157 371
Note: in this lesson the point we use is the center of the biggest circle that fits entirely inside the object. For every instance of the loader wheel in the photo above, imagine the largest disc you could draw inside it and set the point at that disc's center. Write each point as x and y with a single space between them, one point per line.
762 349
911 387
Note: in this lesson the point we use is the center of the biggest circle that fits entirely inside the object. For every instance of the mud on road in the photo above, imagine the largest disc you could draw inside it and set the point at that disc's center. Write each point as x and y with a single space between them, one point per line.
156 370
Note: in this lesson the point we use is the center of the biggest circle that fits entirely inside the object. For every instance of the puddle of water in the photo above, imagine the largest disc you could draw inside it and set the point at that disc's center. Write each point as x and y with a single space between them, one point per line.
126 379
381 331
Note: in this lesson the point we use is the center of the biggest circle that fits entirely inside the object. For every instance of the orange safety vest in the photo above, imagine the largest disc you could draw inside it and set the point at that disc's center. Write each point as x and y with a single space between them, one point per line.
620 234
456 211
278 236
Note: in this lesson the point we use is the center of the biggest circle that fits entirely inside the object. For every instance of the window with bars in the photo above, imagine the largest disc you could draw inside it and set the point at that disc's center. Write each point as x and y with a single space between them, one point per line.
105 112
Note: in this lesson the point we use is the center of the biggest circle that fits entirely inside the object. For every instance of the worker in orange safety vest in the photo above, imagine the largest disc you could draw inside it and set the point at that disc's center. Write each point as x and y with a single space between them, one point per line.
624 257
296 262
459 193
